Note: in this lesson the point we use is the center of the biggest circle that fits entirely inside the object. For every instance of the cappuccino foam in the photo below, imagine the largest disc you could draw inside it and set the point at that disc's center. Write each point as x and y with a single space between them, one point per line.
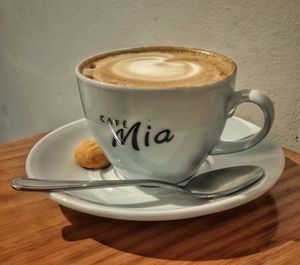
158 67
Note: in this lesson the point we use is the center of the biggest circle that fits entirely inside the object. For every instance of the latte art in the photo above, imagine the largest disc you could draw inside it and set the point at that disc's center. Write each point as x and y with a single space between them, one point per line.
158 67
155 67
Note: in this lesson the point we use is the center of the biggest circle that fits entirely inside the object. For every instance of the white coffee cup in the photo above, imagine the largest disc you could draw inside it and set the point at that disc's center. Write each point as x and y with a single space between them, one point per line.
166 133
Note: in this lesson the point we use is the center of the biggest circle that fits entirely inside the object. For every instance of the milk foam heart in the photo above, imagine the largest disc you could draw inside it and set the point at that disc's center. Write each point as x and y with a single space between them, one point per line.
159 67
153 68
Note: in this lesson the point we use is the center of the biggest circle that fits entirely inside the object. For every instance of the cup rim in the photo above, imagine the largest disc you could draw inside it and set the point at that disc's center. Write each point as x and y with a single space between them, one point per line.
110 86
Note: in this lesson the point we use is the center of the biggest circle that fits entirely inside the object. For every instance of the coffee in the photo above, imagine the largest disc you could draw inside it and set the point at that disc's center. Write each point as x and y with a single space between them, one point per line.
158 67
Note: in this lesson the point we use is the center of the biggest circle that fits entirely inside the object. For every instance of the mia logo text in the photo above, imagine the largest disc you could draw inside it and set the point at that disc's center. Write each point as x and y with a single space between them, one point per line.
137 134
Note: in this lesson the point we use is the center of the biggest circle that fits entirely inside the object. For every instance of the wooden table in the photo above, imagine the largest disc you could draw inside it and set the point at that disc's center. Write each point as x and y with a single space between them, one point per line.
35 230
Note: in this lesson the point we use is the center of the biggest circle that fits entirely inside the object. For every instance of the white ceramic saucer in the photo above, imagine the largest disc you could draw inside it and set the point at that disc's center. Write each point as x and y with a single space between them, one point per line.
51 158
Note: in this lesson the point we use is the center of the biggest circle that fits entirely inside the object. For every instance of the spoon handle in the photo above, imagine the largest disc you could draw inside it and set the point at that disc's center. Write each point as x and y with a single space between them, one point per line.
30 184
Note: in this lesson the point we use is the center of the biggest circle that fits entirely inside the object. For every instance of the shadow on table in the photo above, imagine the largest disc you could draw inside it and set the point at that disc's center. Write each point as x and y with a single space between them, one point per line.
241 231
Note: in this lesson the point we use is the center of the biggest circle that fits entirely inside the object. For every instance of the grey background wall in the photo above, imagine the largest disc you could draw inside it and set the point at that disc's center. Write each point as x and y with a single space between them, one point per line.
42 41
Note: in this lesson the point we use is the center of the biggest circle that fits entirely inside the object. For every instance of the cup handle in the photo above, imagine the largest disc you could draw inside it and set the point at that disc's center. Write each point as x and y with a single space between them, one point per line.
265 104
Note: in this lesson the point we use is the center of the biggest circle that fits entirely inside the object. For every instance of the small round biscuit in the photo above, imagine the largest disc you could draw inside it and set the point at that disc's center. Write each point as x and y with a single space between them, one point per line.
88 154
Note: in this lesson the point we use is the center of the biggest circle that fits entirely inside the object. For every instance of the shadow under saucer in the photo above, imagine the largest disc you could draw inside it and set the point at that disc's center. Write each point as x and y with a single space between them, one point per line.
233 233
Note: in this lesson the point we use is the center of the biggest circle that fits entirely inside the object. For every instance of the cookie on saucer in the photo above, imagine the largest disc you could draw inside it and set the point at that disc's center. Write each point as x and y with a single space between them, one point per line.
88 154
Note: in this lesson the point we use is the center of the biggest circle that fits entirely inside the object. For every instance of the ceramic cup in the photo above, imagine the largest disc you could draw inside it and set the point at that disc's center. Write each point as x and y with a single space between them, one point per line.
166 133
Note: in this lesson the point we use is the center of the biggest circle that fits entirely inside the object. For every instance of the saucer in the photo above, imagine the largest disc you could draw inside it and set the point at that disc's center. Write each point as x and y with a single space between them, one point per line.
52 158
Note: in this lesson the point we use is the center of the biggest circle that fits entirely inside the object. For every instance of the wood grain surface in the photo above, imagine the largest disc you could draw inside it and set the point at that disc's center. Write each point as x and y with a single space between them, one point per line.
35 230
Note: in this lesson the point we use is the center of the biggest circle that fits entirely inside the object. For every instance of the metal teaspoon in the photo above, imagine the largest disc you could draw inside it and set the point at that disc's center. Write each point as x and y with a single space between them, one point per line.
209 185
